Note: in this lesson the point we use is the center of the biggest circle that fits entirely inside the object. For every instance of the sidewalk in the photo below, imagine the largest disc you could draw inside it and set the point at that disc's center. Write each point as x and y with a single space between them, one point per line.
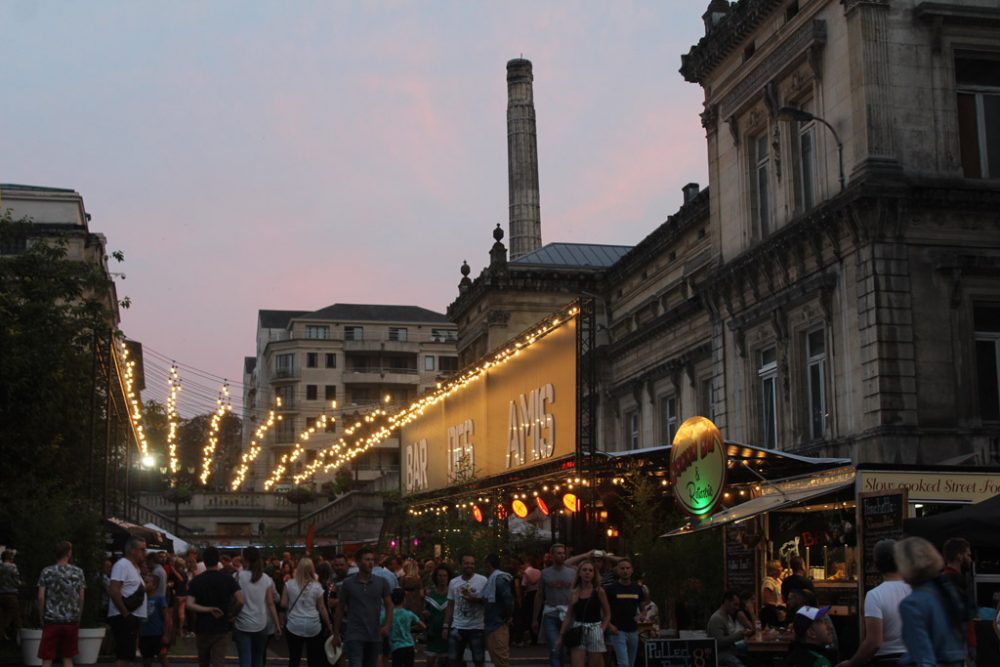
183 653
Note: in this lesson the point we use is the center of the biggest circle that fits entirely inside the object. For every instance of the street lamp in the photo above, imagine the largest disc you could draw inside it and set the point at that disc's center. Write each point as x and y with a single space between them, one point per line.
801 116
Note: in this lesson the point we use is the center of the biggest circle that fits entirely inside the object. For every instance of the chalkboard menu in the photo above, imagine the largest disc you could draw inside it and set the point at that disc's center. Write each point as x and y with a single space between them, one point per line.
680 653
880 517
740 557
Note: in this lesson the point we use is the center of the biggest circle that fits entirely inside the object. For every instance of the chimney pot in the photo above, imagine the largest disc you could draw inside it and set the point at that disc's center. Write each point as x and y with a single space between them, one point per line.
690 191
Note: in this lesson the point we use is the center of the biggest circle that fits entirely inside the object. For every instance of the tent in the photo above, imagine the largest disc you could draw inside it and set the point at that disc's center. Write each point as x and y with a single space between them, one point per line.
119 531
978 523
180 546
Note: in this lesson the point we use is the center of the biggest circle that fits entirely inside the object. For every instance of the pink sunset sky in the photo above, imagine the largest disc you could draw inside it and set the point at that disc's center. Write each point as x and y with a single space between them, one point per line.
249 155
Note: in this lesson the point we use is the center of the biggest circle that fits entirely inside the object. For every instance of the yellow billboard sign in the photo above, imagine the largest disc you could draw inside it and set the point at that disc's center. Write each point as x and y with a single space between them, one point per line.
517 414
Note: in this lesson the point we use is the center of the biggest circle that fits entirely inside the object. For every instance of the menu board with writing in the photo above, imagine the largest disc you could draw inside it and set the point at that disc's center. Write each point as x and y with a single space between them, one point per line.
880 517
680 653
740 557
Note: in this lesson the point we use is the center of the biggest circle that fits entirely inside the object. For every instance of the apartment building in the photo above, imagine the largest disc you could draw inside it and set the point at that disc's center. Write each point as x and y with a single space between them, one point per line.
340 361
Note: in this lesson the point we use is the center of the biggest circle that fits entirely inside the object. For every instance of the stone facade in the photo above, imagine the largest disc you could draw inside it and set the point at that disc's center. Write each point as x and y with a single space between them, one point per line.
803 305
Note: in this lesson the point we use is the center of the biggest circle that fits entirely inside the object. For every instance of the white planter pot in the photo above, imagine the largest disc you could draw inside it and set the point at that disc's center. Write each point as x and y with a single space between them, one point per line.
90 645
31 638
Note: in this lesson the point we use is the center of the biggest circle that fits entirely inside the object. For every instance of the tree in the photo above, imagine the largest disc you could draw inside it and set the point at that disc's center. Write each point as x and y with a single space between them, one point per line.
52 311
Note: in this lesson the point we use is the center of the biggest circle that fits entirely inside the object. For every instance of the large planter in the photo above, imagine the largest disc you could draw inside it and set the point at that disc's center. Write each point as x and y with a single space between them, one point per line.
90 645
31 638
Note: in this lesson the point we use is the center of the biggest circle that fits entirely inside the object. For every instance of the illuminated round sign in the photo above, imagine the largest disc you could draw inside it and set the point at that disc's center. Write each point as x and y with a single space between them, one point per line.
542 506
571 502
477 513
698 466
520 509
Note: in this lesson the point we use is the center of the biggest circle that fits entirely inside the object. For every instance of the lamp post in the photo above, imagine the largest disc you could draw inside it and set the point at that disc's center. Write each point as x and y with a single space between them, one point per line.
791 113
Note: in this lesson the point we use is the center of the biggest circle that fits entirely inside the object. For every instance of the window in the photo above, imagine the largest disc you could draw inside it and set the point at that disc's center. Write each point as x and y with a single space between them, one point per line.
767 372
706 397
668 418
312 360
987 324
284 365
977 81
804 147
330 392
317 332
331 360
760 200
816 380
444 335
397 334
632 429
354 333
447 364
429 363
310 392
285 431
331 425
286 395
310 422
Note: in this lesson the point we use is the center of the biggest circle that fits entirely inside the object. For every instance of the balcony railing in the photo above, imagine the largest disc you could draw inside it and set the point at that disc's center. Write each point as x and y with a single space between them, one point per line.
285 373
381 370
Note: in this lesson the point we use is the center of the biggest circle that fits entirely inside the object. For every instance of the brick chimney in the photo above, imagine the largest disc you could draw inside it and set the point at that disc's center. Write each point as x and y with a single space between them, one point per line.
522 161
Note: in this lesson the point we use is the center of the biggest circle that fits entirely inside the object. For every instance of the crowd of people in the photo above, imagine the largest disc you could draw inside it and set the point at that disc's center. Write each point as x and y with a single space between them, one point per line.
587 609
921 614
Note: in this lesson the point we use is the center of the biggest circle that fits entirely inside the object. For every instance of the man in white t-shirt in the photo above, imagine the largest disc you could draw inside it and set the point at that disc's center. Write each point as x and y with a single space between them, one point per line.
464 619
883 643
126 579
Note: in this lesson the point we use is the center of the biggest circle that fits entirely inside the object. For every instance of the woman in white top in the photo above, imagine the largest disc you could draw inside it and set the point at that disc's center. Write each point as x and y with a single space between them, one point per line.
250 628
306 616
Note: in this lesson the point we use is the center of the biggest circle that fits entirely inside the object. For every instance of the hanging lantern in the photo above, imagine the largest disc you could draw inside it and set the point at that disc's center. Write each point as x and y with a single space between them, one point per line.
571 502
477 514
519 508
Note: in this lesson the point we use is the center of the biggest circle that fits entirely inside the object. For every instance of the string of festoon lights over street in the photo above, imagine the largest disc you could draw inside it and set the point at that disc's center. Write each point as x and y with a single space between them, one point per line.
367 431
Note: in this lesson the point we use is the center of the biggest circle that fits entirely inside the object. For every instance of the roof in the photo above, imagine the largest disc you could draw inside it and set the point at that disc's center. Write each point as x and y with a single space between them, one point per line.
16 187
249 364
359 312
277 319
574 255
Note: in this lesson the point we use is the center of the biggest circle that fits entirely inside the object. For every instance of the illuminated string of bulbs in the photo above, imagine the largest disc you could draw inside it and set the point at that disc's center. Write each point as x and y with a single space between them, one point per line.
567 485
173 421
254 448
340 452
134 403
208 452
296 453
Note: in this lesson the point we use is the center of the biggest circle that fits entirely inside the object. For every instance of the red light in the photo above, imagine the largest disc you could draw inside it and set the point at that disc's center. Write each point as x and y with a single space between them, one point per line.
500 512
542 507
519 508
477 513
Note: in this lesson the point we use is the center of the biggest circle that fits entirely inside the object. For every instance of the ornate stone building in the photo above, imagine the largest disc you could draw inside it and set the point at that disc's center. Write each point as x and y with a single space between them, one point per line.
836 289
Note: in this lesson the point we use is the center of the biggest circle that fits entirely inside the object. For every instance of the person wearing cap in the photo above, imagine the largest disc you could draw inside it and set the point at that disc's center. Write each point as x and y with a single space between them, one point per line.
812 635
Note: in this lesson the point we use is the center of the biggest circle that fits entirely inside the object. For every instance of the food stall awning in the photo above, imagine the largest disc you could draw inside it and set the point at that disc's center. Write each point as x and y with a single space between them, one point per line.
775 495
748 463
977 523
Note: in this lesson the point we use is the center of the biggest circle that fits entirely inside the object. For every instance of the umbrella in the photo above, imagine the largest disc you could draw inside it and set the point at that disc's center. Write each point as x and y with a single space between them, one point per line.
978 523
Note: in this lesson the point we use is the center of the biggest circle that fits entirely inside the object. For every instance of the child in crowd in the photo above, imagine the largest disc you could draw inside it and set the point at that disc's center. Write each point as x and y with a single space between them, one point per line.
154 634
401 637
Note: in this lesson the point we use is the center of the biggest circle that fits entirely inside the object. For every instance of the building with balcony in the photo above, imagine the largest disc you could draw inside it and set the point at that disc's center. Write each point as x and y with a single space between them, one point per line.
339 362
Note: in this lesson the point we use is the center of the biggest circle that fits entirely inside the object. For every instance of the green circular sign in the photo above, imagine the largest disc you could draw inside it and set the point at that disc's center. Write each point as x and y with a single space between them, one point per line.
698 466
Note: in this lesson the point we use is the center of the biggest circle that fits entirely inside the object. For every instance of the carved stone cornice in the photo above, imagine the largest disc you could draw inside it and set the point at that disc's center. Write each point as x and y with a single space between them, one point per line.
654 327
806 42
851 5
743 18
671 368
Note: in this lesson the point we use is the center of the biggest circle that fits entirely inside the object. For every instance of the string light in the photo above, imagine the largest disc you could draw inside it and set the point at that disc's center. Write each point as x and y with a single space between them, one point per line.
134 403
208 452
254 448
344 450
173 421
